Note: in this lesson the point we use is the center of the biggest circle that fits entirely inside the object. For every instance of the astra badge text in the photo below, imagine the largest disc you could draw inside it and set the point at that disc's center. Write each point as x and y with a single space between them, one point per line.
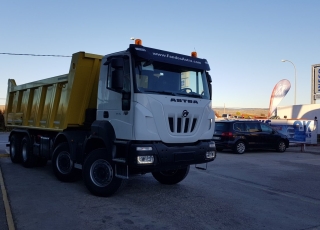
184 101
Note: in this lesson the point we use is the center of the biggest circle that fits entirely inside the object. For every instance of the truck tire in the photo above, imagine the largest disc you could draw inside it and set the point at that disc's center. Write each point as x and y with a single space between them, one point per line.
63 165
99 173
28 158
172 176
15 149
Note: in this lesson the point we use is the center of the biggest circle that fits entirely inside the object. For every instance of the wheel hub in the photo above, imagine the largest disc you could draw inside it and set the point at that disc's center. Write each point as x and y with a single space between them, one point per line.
64 163
101 173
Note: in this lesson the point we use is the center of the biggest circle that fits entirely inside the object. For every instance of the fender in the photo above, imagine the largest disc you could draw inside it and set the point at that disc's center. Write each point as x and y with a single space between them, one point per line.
74 138
20 131
104 131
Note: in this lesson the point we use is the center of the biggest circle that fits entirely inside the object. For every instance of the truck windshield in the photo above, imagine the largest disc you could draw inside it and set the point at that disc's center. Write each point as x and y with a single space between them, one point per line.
163 78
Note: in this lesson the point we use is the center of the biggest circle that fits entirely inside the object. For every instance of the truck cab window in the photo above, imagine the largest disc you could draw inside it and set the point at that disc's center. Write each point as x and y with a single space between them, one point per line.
160 78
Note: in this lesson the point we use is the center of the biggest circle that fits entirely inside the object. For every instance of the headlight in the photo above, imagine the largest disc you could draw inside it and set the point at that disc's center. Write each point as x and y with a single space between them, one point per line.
144 148
145 159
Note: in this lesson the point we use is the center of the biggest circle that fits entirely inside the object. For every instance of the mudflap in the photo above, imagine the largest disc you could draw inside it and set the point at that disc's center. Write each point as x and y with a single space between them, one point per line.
201 166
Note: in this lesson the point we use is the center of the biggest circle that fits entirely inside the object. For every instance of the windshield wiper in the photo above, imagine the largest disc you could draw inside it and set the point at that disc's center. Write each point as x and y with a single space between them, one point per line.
190 94
160 92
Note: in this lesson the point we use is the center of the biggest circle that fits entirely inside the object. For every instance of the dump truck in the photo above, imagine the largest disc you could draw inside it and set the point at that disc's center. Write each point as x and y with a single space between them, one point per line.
137 111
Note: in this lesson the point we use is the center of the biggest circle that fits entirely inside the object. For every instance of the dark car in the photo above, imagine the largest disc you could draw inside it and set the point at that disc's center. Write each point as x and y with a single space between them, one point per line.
240 135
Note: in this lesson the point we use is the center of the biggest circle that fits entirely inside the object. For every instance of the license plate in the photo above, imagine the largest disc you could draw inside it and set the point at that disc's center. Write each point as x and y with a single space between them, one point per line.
216 138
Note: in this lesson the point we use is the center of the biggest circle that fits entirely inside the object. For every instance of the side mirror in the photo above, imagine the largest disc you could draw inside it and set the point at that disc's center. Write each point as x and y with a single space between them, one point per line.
117 74
117 79
209 79
117 63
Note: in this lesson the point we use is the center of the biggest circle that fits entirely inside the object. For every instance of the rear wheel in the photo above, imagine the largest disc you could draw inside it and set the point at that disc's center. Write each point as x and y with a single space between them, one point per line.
15 148
281 146
63 165
239 147
99 173
28 158
171 176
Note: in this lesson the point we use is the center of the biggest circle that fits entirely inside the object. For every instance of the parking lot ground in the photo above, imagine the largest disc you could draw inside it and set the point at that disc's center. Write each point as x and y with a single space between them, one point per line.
307 148
6 220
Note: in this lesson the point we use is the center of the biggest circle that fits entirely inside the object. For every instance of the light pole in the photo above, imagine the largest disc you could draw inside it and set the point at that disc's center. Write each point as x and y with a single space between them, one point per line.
295 80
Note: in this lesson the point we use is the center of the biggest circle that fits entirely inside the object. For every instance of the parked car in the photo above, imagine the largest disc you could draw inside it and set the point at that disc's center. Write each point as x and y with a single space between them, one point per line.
240 135
226 115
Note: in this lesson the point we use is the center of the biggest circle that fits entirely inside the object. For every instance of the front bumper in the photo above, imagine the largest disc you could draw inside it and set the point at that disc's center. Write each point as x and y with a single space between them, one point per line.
170 156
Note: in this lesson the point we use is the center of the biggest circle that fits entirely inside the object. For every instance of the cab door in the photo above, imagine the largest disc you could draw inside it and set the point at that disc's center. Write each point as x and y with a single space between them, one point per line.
115 95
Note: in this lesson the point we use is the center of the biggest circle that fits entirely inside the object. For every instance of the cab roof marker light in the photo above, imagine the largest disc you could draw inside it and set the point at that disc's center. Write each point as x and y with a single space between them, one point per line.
144 148
138 42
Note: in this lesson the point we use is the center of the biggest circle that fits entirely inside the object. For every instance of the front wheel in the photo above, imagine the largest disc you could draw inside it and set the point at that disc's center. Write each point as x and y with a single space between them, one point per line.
171 176
239 147
281 146
99 173
62 164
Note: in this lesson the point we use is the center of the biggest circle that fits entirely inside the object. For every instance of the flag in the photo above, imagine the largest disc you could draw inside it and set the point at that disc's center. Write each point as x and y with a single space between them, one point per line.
280 90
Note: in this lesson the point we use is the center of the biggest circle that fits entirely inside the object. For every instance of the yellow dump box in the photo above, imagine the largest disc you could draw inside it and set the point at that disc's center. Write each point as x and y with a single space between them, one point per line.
58 102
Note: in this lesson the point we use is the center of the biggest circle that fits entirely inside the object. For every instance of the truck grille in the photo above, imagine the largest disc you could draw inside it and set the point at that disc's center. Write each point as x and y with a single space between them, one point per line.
182 124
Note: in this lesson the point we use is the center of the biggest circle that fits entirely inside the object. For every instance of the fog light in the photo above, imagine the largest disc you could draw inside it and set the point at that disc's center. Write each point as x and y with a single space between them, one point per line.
210 154
212 144
145 159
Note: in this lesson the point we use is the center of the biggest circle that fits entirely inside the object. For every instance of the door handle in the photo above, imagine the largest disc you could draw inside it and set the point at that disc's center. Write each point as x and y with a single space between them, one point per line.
105 114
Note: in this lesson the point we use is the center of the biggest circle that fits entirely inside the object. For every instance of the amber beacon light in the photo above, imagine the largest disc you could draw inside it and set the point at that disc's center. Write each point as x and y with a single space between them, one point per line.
194 54
138 42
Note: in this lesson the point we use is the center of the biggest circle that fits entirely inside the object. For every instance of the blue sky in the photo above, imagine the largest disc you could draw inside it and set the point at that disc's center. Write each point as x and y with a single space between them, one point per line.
244 41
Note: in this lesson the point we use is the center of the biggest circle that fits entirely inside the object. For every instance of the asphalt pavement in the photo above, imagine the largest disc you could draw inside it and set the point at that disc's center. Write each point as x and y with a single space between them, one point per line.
5 212
6 220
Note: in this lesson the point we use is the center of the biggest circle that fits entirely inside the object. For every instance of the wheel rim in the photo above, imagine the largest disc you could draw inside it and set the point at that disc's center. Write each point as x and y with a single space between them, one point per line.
282 146
241 147
24 152
101 173
64 163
